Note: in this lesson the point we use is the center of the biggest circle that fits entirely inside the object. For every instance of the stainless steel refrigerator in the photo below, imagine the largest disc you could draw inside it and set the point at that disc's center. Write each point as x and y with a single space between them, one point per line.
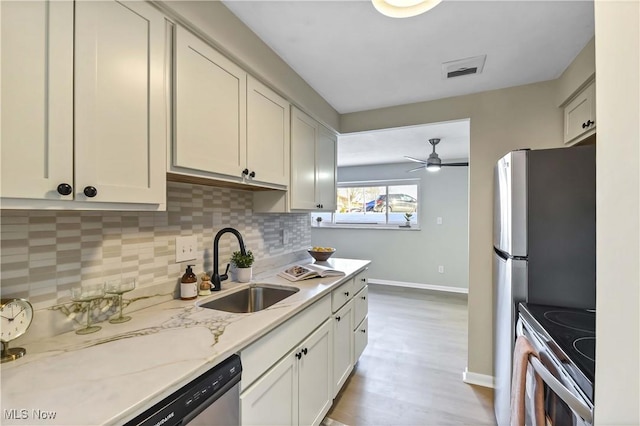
544 243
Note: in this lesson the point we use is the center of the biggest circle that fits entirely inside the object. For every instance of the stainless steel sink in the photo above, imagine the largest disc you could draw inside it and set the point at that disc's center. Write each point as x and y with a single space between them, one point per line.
254 298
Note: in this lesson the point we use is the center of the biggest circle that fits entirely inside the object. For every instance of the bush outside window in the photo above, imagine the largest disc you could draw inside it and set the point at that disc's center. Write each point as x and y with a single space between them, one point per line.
374 203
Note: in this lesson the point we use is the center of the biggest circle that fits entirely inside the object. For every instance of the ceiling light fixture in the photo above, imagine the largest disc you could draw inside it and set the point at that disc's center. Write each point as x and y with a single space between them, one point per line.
404 8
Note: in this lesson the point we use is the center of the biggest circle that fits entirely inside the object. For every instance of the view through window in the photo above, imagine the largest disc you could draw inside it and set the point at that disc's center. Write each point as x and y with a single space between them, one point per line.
375 203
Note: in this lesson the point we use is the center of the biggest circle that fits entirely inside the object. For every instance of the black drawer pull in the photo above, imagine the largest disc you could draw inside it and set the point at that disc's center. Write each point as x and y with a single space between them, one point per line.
346 293
338 319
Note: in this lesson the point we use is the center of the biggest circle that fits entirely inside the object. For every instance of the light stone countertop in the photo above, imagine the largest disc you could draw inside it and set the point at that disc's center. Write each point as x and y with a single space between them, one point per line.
111 376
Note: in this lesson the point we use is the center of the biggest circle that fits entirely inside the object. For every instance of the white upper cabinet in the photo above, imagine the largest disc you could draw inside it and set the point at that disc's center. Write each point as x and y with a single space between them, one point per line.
268 135
120 125
304 133
580 115
210 105
37 99
326 169
313 164
83 95
228 126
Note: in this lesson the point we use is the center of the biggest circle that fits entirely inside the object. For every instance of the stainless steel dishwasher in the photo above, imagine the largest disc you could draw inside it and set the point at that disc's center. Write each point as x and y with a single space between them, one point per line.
212 399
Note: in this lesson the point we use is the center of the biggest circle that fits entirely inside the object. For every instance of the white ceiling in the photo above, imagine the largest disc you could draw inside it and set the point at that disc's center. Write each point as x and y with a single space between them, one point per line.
358 59
391 145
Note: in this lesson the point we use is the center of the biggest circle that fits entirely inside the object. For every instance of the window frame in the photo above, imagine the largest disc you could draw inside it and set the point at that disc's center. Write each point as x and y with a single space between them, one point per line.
387 183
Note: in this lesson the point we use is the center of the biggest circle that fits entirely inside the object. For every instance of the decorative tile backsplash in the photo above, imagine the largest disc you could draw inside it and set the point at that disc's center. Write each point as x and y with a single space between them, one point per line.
46 253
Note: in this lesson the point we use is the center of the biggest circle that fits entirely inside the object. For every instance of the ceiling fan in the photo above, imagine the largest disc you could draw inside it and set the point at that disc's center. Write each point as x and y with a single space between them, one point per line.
433 163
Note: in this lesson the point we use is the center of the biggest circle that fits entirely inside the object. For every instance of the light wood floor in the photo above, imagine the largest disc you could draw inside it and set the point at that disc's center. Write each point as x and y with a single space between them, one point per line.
411 371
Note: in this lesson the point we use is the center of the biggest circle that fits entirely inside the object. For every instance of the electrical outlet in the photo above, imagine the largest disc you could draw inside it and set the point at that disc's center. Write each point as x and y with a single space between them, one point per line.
285 236
439 220
186 248
441 269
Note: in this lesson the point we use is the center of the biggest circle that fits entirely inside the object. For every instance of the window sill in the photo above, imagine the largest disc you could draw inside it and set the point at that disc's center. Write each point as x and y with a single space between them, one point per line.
365 226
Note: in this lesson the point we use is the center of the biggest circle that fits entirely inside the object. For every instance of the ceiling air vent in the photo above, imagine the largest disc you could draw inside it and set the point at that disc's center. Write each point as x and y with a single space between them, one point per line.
462 67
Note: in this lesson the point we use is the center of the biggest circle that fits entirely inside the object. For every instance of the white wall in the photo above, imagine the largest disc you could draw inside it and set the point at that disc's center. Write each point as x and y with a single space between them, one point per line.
618 210
501 121
408 255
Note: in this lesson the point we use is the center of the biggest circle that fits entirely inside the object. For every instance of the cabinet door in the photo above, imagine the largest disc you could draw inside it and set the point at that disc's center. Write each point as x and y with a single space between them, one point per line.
304 131
37 98
580 115
268 130
326 170
315 390
361 307
360 338
342 346
273 399
210 109
120 120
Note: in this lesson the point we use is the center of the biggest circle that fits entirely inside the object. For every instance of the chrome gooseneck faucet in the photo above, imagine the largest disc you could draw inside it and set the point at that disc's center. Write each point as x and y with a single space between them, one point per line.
217 278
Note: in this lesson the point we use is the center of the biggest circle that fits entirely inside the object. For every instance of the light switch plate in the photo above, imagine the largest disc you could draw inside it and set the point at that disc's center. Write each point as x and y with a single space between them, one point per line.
186 248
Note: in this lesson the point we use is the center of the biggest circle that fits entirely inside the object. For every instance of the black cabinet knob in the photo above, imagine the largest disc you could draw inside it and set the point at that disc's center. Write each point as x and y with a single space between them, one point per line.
346 293
364 280
298 355
304 351
321 206
362 330
64 189
338 319
318 205
90 191
252 174
245 172
587 124
364 298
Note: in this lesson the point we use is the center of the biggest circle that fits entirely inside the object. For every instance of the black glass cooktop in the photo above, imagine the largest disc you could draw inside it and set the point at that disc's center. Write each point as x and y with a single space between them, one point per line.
574 333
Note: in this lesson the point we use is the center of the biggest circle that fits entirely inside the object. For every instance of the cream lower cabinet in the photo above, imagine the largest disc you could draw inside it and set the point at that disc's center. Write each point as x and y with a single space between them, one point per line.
342 345
361 322
298 389
83 95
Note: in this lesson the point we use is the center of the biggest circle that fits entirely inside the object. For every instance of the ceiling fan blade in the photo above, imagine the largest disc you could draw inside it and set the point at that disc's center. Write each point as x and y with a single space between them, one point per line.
416 169
455 164
415 159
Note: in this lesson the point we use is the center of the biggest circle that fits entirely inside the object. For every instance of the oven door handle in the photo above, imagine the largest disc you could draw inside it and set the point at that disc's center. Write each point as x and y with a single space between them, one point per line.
563 393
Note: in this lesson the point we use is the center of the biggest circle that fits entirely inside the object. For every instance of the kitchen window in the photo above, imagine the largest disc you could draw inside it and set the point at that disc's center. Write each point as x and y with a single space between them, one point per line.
373 204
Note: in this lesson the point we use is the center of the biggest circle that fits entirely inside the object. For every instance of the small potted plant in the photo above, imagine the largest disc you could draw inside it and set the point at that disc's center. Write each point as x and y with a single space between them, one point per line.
407 217
243 263
319 220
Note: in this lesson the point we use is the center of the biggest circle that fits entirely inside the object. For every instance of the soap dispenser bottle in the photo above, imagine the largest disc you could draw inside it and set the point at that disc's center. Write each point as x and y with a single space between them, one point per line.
189 285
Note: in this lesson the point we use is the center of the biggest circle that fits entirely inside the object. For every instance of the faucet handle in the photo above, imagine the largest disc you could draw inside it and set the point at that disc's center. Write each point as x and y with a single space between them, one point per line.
225 276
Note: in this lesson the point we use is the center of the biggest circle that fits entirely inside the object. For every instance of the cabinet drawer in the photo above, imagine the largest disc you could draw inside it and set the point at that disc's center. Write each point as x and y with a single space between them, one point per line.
342 295
360 339
262 354
360 280
361 305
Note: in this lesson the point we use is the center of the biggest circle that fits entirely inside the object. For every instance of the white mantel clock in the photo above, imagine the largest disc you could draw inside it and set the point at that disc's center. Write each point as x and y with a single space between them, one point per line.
15 318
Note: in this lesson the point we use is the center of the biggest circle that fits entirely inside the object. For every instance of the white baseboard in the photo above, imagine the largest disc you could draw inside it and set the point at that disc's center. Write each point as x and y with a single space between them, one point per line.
477 379
443 288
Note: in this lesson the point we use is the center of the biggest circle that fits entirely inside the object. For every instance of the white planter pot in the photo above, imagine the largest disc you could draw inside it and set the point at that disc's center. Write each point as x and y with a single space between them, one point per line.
244 274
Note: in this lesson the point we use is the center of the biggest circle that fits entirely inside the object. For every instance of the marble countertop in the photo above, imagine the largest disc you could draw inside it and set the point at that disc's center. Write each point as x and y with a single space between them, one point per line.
111 376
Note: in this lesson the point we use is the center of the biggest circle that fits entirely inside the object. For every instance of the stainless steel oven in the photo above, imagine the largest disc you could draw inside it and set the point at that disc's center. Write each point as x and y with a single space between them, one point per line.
568 385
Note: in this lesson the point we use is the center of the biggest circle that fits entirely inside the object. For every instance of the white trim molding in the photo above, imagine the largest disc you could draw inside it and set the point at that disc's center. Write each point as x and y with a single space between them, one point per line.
442 288
483 380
